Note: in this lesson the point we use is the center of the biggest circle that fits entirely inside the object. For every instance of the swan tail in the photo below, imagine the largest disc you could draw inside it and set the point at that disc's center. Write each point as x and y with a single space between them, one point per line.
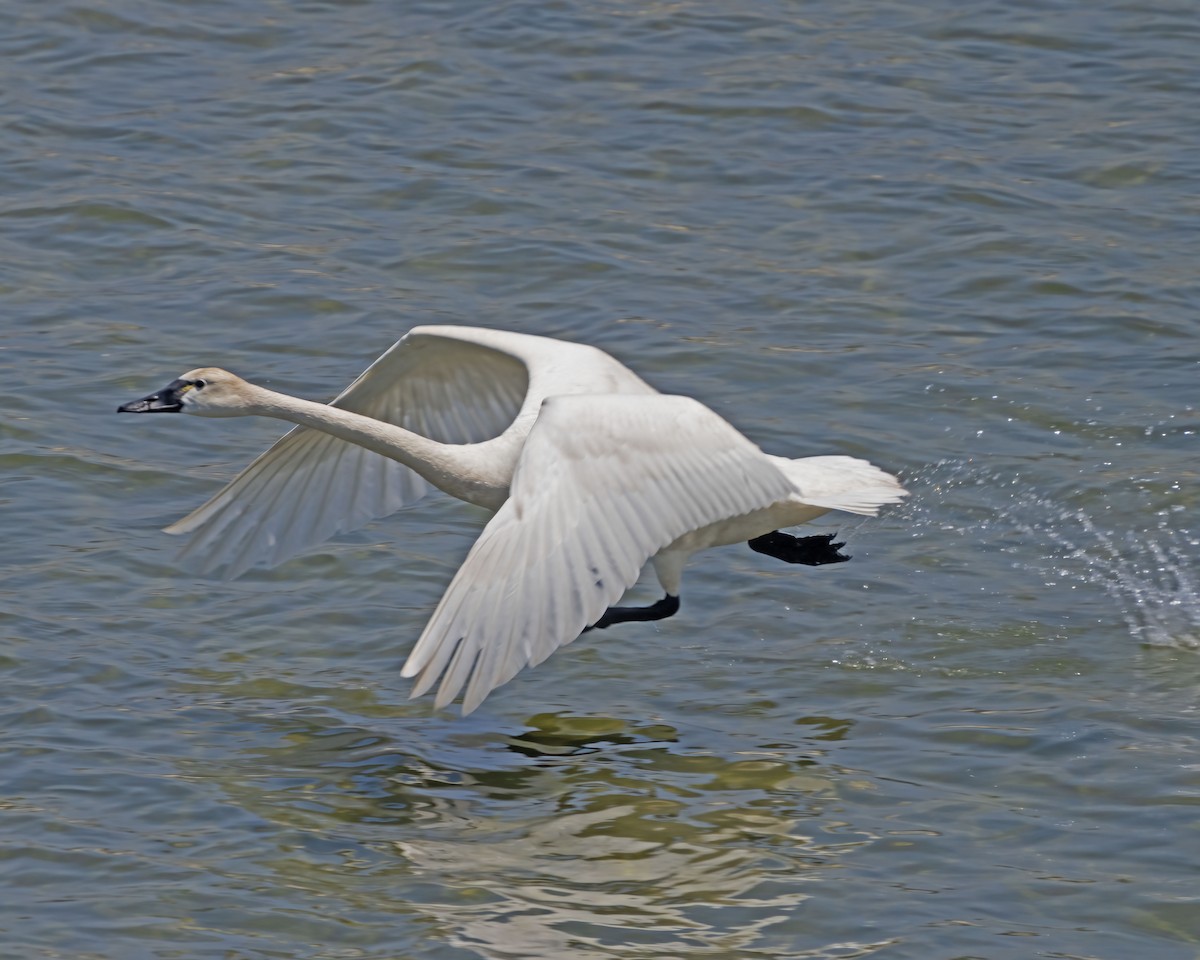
841 483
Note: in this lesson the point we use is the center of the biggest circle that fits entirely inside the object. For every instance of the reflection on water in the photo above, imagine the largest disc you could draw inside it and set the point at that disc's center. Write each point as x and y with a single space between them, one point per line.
625 870
617 839
558 735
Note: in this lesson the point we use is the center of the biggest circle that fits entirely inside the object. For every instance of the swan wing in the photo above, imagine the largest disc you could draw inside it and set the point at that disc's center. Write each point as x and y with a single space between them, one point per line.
452 384
603 484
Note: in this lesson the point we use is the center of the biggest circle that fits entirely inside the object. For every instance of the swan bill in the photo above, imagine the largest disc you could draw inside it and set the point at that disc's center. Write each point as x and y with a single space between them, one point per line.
167 400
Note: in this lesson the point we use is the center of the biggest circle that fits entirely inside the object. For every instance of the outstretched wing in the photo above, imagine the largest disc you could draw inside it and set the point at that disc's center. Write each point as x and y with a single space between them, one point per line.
454 385
603 484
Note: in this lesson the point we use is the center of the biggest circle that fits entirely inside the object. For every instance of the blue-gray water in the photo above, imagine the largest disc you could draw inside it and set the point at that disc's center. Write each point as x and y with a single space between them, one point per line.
958 239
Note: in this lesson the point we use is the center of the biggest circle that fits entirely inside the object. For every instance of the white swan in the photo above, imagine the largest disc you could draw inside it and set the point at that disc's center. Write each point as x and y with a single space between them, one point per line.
592 472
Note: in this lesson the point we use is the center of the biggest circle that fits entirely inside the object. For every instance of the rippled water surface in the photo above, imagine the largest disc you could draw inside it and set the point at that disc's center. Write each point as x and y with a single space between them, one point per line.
960 240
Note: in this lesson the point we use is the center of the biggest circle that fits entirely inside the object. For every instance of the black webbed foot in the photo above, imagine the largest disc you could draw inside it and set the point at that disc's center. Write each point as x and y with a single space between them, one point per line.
811 551
664 608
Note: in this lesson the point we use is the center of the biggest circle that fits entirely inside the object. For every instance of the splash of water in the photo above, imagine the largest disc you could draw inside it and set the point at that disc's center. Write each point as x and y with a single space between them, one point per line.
1149 571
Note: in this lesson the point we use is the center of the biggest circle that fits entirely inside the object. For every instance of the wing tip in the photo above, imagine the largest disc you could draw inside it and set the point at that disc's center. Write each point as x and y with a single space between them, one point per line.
181 526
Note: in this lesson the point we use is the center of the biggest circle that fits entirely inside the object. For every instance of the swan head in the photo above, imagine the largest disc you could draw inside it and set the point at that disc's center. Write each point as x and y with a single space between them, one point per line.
204 392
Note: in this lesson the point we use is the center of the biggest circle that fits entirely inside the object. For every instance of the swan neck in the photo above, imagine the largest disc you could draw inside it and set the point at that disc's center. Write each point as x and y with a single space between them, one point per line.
473 472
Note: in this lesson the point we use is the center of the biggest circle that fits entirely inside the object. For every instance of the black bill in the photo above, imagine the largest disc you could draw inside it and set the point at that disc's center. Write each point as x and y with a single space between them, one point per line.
167 400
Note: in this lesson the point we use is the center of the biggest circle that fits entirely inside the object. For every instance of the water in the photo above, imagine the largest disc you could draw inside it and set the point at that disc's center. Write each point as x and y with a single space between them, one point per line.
960 241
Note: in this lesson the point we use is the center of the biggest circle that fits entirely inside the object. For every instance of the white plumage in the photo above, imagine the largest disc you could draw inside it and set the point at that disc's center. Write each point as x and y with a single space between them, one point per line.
591 471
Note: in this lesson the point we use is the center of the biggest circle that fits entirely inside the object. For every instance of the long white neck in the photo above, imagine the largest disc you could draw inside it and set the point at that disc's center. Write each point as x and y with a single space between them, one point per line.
479 473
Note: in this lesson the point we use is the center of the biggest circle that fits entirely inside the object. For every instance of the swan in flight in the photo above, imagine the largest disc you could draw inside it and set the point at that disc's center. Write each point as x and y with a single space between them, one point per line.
591 473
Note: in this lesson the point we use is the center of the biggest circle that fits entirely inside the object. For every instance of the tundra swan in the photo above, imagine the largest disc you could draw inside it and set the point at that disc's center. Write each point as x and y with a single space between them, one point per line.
591 472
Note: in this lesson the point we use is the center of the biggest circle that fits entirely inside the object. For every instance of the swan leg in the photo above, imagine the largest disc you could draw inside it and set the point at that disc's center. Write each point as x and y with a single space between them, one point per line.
664 608
811 551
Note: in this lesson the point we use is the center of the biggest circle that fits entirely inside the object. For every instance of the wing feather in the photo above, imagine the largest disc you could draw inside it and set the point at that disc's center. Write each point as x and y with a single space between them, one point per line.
603 484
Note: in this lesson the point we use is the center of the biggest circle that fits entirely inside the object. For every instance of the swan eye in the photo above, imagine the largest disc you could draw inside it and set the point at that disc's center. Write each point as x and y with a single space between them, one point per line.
199 384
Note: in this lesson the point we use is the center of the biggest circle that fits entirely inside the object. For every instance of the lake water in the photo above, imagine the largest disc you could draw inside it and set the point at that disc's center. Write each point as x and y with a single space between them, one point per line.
958 240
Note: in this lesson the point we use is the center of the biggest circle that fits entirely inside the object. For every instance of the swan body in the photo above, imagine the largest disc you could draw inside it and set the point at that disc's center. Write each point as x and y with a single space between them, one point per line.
590 471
